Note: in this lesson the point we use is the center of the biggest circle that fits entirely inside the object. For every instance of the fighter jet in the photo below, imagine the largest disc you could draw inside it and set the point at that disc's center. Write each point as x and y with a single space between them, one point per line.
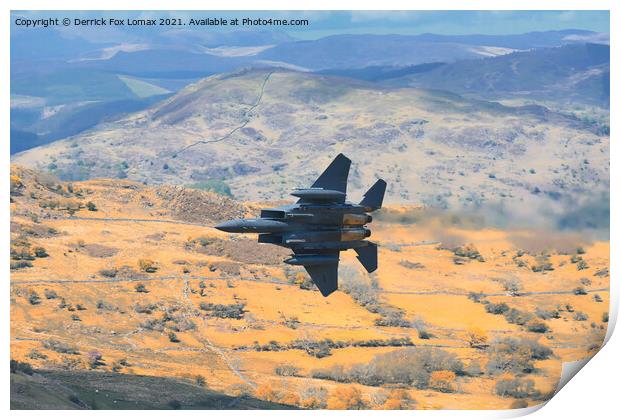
320 225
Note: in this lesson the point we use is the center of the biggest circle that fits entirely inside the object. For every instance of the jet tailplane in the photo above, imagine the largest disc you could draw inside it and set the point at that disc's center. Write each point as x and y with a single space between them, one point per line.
367 256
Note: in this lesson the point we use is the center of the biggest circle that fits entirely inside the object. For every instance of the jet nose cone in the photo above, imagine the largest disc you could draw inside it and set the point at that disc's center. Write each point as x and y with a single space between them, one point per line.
229 226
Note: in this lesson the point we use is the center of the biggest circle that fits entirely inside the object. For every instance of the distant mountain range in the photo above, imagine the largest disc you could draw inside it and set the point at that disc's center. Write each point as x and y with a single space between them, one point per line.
61 86
578 72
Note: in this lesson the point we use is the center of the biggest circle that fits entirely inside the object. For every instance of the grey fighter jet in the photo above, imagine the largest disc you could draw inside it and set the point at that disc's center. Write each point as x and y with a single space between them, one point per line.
320 225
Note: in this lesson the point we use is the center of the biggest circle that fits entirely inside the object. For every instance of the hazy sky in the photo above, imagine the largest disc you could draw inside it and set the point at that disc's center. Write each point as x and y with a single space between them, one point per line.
323 23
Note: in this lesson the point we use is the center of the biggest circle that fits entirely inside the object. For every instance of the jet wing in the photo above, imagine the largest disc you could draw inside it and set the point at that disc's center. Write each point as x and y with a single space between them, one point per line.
334 177
324 276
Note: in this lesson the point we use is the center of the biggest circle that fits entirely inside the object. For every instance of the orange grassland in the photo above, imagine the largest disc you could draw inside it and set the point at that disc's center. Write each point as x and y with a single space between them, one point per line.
417 274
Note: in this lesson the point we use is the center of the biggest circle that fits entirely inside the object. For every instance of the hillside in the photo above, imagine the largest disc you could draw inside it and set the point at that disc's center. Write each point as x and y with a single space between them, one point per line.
577 73
263 133
79 390
115 284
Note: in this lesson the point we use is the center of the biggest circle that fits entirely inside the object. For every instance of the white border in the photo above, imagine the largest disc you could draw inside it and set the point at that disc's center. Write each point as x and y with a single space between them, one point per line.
593 395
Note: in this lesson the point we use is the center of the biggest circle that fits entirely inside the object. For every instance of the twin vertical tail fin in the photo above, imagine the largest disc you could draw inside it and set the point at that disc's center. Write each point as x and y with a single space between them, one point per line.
373 199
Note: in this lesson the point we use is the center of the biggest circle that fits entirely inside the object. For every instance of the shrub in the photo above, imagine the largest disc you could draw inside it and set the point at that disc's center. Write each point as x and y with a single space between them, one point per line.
16 184
145 309
597 298
360 291
314 398
516 388
287 370
59 347
473 369
347 398
153 325
200 380
91 206
232 311
21 367
515 316
391 317
40 252
399 399
582 265
580 316
108 272
424 335
148 266
95 359
318 349
512 286
547 313
442 380
141 288
50 294
215 185
15 265
289 398
468 251
542 264
267 393
291 322
173 337
537 327
34 298
477 338
409 367
35 355
605 317
182 324
476 296
496 308
515 355
580 291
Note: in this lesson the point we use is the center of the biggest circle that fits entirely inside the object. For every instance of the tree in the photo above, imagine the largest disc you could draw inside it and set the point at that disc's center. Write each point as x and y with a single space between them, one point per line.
477 338
347 398
399 399
289 398
266 392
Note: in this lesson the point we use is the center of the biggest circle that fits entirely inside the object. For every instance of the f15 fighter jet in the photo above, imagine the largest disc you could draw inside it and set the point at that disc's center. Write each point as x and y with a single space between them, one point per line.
320 225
